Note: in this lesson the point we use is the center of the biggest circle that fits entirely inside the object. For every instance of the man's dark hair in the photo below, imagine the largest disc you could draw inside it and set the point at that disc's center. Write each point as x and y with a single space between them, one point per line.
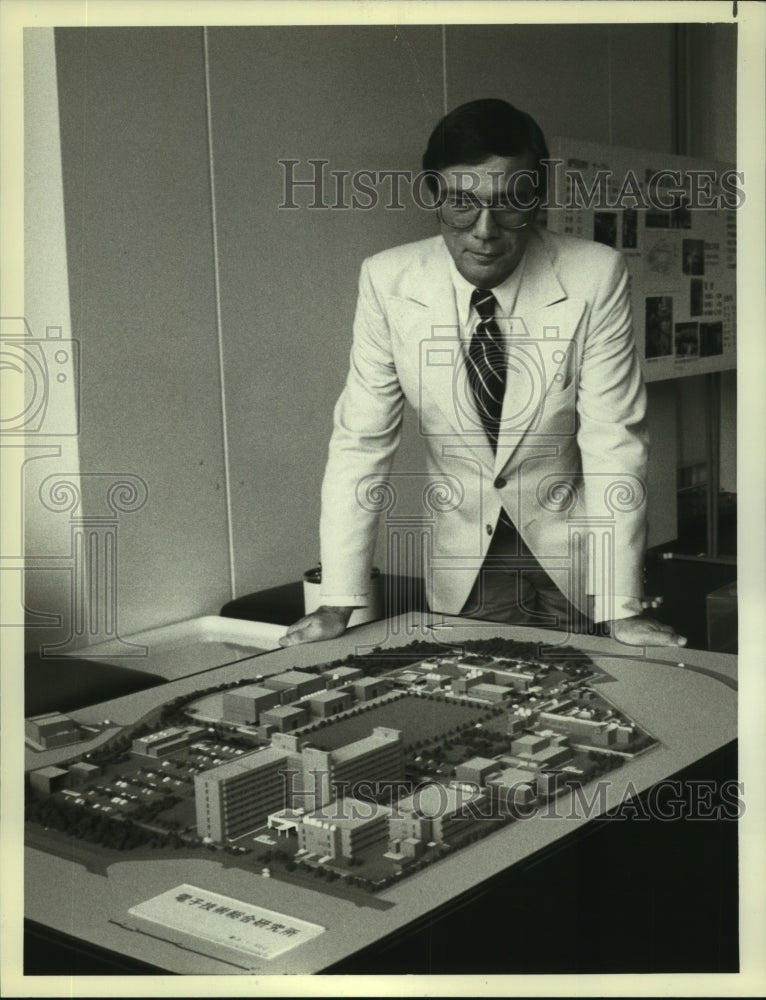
488 127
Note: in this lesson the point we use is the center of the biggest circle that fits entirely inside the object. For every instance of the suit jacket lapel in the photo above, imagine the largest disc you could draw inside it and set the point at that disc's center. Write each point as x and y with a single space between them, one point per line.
426 321
538 347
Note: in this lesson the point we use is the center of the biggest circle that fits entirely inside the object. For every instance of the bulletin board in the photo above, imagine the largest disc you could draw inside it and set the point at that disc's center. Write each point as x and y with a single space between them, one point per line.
678 239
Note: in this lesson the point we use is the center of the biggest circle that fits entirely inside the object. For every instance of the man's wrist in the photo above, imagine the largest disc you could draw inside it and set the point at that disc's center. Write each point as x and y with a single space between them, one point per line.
615 608
610 623
341 612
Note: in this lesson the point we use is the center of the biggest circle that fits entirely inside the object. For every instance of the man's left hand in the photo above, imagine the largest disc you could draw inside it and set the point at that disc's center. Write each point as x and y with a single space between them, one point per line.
640 631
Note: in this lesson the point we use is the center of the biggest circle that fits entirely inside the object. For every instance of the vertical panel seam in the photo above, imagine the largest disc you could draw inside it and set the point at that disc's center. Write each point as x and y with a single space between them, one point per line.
609 94
444 67
218 319
680 78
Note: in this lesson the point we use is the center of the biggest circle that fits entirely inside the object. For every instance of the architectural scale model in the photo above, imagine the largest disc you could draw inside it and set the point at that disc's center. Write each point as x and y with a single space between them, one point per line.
351 774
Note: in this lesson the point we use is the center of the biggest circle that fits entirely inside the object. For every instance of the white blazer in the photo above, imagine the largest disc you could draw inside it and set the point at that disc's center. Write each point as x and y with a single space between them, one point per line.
571 460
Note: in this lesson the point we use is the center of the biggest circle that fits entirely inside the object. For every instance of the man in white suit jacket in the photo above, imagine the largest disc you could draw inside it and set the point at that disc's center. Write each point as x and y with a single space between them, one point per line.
545 524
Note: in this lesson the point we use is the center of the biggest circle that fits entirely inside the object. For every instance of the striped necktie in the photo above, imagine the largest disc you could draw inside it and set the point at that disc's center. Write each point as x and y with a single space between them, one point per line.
486 364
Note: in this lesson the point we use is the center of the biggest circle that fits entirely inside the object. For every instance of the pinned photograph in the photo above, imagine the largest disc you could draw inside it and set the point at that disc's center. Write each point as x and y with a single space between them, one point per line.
605 228
630 229
711 339
693 256
687 340
680 216
696 287
657 219
659 326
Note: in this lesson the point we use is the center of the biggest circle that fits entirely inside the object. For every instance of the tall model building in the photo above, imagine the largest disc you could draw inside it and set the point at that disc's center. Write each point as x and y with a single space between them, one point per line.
238 796
329 773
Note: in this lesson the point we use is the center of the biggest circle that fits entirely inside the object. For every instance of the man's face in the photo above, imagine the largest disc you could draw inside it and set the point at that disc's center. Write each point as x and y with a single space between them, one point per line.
486 253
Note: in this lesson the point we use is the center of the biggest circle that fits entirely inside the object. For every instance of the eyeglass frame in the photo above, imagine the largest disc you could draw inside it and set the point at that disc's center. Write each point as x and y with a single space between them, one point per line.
479 206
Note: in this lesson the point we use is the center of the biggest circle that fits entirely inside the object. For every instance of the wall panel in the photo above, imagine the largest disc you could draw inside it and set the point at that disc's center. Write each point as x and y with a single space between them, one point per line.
137 197
361 98
558 73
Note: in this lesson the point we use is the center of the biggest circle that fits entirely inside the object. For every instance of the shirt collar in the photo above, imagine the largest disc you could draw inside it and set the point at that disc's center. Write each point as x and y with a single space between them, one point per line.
505 293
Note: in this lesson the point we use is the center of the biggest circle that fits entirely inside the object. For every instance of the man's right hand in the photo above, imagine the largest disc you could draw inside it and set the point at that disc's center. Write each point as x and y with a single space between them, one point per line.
325 623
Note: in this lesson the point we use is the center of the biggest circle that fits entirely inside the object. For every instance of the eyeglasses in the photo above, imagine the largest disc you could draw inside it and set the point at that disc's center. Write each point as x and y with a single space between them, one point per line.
460 211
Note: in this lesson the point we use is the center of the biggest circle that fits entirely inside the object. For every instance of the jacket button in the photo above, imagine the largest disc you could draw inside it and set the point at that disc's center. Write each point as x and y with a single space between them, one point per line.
489 529
500 483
